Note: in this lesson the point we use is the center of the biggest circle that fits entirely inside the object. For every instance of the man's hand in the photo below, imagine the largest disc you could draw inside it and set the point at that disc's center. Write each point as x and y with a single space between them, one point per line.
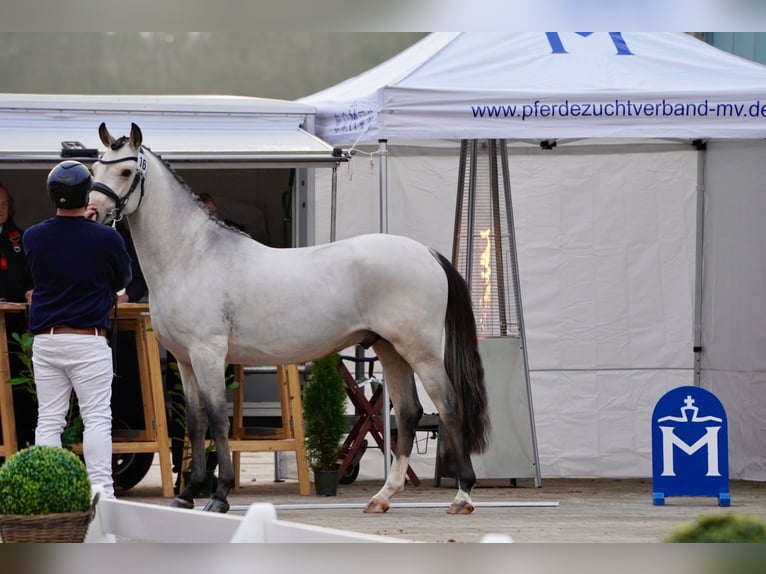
91 212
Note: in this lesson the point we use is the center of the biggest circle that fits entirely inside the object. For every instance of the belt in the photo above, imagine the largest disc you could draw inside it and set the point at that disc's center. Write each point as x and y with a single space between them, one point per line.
63 329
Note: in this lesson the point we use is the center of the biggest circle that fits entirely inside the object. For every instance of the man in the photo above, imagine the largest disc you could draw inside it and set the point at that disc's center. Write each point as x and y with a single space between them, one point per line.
16 287
15 279
77 266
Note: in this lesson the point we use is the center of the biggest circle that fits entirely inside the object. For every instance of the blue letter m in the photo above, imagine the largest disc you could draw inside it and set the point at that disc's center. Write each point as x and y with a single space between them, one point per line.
557 46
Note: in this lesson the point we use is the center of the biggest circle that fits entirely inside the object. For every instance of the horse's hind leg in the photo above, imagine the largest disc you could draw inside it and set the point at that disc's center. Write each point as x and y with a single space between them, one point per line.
455 461
400 382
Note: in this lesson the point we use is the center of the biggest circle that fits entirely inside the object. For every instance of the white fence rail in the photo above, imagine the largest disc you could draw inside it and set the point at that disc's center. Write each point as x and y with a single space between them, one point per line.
122 521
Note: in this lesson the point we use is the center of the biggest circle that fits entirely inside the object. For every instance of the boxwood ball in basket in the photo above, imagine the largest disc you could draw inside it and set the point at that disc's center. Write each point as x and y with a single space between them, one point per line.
45 495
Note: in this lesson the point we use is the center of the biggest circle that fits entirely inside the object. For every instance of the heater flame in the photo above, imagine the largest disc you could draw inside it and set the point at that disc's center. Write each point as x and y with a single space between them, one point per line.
486 274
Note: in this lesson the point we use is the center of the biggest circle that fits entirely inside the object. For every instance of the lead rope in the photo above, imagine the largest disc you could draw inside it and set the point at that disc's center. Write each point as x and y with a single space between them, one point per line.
114 340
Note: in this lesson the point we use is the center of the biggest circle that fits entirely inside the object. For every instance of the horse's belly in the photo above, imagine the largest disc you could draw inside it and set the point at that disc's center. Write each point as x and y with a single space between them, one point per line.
293 346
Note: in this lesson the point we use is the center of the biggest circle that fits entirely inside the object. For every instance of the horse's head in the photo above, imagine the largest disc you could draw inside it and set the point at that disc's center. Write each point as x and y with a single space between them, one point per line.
118 176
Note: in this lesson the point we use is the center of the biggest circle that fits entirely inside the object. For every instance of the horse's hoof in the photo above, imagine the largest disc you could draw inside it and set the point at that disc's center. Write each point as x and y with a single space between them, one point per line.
182 503
215 505
462 507
376 506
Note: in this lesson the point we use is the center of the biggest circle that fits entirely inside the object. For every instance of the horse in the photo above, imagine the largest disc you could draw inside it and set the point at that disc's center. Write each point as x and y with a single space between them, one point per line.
218 297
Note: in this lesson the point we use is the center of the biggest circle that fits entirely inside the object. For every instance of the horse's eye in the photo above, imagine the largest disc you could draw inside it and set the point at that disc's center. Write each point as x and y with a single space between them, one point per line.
125 173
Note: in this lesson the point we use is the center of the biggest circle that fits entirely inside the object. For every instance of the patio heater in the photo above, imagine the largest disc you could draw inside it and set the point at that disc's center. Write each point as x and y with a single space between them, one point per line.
484 251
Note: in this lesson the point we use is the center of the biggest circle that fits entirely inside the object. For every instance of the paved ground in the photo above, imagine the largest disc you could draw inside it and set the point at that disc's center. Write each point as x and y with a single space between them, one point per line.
561 510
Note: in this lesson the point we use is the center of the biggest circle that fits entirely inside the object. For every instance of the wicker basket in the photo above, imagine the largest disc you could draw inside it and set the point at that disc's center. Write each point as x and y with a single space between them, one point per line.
59 527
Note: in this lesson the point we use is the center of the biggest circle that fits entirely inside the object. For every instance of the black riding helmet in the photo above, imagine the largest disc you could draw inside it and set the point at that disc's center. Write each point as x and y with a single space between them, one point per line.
69 184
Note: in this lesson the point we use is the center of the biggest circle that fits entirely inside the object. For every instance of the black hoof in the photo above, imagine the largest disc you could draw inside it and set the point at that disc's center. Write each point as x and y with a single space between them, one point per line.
215 505
182 503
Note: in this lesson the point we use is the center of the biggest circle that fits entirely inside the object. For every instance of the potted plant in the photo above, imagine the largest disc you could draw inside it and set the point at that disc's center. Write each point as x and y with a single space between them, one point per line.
324 414
731 527
45 496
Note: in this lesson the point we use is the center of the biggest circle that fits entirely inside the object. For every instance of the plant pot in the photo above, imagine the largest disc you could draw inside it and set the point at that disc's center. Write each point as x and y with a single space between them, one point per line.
64 527
326 482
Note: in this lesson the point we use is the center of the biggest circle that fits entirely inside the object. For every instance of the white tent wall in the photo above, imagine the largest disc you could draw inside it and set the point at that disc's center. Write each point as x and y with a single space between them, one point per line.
608 250
734 301
606 237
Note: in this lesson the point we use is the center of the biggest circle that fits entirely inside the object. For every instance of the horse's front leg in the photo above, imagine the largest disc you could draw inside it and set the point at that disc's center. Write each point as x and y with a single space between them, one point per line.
210 370
196 427
219 429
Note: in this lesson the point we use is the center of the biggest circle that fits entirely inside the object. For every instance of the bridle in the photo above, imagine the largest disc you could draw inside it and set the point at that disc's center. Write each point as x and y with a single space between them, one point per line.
139 177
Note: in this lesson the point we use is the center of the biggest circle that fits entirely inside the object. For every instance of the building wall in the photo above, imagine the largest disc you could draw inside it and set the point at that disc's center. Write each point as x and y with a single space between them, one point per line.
750 45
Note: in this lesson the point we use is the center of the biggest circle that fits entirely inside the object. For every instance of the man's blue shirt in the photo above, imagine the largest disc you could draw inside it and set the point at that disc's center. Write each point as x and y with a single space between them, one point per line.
77 267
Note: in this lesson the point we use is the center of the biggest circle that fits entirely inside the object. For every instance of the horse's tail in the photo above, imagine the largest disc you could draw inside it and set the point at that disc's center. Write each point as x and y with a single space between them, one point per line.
462 361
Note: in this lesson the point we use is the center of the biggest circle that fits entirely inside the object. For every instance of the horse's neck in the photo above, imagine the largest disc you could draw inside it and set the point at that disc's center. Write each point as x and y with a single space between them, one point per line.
167 224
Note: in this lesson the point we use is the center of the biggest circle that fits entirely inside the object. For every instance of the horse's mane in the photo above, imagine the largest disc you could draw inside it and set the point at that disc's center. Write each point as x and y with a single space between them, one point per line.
120 142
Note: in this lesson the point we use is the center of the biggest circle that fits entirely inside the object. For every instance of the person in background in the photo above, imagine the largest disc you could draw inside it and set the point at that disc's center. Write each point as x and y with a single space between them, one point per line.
136 290
207 200
15 278
16 287
77 267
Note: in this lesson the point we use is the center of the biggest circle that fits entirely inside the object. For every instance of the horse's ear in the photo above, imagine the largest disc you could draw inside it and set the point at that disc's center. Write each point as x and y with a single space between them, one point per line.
135 136
106 137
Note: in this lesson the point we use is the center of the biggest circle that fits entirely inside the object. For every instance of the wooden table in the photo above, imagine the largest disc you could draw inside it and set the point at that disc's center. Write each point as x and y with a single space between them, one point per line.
154 437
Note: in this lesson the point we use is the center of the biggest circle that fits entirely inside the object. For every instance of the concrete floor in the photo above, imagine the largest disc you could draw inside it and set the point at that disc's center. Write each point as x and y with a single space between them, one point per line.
561 510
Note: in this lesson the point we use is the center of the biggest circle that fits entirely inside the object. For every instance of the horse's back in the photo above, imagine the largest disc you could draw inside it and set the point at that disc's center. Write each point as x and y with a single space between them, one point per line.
390 265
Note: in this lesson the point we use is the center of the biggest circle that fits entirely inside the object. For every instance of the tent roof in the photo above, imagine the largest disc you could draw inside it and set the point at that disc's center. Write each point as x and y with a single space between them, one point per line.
541 85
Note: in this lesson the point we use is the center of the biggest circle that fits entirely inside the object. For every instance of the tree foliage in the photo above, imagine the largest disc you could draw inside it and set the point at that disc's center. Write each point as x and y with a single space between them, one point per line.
261 64
730 527
324 412
44 480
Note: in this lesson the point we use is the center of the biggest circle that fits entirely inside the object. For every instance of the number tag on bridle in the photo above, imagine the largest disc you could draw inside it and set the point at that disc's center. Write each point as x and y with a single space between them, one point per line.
141 162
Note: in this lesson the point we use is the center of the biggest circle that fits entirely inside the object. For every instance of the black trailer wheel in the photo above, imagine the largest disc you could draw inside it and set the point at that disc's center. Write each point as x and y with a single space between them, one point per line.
129 468
352 471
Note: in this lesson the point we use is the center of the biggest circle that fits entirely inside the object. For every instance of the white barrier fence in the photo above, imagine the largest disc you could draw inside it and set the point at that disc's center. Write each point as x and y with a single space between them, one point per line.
123 521
118 521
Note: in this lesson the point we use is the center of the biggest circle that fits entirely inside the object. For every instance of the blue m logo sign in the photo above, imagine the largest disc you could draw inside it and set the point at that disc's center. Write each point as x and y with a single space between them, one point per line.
557 45
709 441
690 446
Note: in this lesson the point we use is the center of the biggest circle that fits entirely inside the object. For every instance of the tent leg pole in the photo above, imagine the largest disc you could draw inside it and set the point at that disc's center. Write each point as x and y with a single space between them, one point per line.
333 203
383 152
698 264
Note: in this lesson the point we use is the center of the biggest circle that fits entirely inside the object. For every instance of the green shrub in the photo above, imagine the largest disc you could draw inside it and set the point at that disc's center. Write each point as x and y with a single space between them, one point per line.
324 412
730 527
44 480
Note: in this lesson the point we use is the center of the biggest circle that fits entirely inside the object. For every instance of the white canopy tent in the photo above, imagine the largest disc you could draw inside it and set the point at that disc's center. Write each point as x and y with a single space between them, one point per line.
636 163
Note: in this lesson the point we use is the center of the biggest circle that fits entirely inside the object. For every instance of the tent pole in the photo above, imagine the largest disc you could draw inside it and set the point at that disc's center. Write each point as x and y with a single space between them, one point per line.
383 153
701 148
333 202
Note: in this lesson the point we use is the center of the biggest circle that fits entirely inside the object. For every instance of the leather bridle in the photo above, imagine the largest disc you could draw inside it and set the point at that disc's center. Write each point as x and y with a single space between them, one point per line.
120 202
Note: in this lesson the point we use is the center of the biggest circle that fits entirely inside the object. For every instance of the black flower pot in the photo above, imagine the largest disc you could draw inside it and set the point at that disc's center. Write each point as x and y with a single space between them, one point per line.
326 482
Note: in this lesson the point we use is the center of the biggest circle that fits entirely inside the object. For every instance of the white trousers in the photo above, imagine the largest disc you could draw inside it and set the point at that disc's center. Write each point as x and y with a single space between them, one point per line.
83 363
